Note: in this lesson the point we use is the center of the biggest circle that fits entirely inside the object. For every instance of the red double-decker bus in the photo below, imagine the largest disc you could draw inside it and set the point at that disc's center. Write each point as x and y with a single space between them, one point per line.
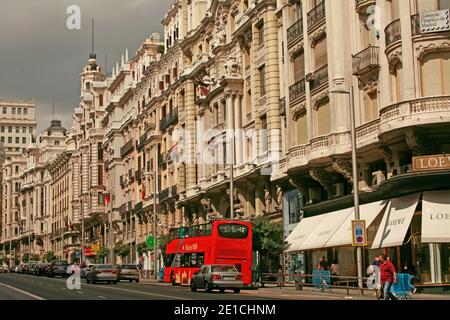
216 242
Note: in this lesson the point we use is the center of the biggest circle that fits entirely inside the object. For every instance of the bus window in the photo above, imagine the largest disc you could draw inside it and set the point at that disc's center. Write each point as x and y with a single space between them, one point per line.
208 229
200 259
168 259
177 260
233 231
185 260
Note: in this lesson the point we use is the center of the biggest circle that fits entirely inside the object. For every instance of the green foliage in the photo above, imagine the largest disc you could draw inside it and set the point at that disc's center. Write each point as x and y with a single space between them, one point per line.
267 237
103 253
141 248
162 242
16 261
121 250
26 258
49 256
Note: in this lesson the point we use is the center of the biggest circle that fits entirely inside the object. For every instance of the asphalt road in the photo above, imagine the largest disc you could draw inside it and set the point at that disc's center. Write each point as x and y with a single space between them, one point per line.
28 287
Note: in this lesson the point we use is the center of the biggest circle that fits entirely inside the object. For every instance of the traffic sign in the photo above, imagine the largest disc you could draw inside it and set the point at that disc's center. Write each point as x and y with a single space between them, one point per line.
359 238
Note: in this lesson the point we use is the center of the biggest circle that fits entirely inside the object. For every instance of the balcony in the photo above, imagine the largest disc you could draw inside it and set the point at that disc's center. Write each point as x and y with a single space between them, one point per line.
316 15
297 90
298 156
319 78
168 193
366 60
126 149
142 141
138 208
367 133
393 32
421 111
295 32
331 144
169 119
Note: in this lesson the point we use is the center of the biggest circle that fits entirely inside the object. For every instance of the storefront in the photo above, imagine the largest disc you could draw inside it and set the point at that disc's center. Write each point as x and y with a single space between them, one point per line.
412 229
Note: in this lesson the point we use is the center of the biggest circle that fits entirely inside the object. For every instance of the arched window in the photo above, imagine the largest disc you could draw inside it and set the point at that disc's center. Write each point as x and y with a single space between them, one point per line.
397 82
435 74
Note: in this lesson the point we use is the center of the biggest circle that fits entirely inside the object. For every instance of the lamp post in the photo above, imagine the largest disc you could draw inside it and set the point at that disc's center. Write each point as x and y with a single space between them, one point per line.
351 95
110 228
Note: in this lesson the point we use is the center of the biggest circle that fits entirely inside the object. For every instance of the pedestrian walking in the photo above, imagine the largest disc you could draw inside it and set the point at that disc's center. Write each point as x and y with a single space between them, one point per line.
335 270
388 276
411 272
374 278
323 264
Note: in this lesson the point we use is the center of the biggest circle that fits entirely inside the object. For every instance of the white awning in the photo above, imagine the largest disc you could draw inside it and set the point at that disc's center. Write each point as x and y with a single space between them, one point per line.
436 217
302 231
326 229
396 221
368 212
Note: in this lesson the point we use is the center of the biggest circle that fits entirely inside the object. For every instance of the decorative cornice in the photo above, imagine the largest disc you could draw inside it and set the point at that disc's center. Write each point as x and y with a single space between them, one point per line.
320 98
344 167
317 35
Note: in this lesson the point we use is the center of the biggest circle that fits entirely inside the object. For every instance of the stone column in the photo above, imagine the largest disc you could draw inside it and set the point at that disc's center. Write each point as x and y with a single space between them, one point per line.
408 81
238 128
190 130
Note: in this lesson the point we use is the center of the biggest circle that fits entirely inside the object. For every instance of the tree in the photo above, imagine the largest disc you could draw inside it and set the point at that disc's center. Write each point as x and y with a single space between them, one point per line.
49 256
103 253
26 258
267 240
122 250
141 248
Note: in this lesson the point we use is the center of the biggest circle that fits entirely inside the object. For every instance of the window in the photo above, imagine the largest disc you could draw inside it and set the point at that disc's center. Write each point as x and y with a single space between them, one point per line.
397 83
320 53
323 124
9 139
100 100
233 231
299 67
57 143
262 81
25 110
10 129
17 140
264 134
371 105
2 129
436 74
432 5
19 110
2 139
260 28
13 110
4 110
24 129
17 129
301 130
31 130
24 140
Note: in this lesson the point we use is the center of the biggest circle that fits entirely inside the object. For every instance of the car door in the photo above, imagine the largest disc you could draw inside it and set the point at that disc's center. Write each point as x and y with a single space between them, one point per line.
199 278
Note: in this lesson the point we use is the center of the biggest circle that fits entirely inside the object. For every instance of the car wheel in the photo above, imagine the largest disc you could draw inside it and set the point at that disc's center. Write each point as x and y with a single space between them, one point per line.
130 281
137 280
222 290
208 287
193 287
114 282
237 290
88 281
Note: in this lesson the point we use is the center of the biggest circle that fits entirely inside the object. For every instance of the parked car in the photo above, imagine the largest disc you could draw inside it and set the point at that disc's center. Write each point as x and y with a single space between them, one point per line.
3 269
85 269
31 266
127 272
217 276
41 269
20 268
102 272
57 268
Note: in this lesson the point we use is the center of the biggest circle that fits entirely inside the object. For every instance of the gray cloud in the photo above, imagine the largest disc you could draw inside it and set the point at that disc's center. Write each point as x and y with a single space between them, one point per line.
39 55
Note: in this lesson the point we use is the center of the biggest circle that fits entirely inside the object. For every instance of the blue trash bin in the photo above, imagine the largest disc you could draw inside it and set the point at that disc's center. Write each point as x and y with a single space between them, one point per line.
161 274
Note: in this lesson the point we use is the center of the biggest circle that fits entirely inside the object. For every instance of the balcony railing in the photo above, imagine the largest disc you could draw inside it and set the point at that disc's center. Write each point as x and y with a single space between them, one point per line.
316 15
297 90
164 195
126 149
295 31
142 140
393 32
169 119
138 207
366 60
320 77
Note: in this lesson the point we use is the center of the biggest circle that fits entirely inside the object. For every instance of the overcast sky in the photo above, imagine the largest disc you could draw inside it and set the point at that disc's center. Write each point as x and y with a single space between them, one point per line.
39 55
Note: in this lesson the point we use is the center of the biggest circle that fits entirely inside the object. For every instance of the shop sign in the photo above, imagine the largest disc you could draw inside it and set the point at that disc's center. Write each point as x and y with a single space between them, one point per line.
435 21
96 248
430 163
359 233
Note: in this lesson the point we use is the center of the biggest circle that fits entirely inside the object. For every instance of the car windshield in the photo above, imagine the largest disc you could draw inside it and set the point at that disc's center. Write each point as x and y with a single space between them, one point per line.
129 267
60 263
105 267
223 269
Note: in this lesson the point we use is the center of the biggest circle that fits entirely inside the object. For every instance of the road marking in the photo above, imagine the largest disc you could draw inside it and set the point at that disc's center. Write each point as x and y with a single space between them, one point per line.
23 292
101 297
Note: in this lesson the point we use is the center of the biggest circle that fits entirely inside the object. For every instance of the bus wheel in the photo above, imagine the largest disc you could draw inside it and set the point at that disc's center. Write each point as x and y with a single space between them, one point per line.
208 287
193 287
172 279
237 290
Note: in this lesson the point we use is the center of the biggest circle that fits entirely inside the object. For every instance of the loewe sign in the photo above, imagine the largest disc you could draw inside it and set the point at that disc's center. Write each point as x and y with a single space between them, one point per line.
429 163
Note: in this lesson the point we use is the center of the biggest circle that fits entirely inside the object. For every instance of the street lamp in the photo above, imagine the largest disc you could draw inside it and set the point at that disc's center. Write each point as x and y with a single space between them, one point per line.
110 233
155 194
341 90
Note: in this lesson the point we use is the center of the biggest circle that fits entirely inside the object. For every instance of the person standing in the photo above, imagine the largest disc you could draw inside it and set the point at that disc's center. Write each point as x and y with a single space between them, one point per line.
388 276
323 264
335 270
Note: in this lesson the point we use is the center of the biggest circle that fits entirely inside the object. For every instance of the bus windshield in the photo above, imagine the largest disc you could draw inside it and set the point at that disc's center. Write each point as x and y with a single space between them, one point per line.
233 231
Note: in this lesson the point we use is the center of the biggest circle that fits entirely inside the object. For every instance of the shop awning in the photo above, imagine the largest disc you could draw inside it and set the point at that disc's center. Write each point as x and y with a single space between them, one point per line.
368 212
436 217
302 231
396 221
326 229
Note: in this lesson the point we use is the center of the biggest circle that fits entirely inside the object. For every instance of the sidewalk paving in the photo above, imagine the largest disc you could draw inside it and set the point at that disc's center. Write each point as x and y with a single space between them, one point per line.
289 292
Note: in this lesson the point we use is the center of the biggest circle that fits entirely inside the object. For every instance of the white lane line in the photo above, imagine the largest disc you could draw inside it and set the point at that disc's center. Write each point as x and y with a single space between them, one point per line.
101 297
23 292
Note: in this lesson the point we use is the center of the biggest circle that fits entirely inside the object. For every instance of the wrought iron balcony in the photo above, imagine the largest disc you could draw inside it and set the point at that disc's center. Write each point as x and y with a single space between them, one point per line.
316 15
295 31
393 32
138 208
366 60
319 77
169 119
126 149
164 195
297 90
142 141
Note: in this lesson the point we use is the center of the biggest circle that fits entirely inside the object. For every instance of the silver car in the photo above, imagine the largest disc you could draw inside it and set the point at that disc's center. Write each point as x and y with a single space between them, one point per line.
102 272
217 276
128 272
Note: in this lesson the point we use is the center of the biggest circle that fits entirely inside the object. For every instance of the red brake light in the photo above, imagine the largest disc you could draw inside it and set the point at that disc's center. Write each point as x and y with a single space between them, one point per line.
216 277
